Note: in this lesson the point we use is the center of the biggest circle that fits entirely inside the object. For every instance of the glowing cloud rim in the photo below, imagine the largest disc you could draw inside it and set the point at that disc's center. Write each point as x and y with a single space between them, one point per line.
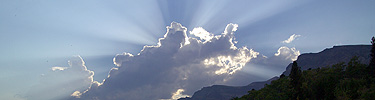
177 62
291 38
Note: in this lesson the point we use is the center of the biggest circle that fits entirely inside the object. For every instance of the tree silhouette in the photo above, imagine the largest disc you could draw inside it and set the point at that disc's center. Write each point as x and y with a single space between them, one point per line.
343 81
372 61
282 76
295 76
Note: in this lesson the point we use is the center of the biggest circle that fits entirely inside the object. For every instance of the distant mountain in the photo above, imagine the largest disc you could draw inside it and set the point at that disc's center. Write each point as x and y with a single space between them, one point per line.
324 58
222 92
332 56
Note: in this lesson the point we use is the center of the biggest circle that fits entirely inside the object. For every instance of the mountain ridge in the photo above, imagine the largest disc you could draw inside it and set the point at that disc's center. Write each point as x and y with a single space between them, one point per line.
324 58
327 57
226 92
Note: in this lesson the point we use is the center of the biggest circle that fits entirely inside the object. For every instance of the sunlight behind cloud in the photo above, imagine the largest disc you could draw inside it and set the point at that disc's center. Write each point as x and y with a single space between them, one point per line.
208 11
174 66
263 10
202 34
231 64
127 24
38 36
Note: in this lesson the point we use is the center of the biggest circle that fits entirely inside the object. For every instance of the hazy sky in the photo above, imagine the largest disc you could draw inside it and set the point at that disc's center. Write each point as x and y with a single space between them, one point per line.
37 35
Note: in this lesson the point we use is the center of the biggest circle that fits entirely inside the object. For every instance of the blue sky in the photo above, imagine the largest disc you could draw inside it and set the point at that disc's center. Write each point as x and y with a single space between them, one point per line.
37 35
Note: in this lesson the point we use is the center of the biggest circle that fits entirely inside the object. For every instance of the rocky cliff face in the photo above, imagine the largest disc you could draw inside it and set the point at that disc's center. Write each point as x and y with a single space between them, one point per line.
306 61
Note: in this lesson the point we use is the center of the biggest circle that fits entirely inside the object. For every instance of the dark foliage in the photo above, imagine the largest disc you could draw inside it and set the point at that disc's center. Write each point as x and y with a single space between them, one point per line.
295 76
341 81
371 67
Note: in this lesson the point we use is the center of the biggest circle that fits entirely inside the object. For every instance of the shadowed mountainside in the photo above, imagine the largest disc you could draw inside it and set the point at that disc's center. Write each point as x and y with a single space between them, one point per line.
324 58
222 92
332 56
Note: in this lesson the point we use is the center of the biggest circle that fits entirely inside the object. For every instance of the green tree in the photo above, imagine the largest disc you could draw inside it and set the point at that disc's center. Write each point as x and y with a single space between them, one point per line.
295 76
355 69
342 81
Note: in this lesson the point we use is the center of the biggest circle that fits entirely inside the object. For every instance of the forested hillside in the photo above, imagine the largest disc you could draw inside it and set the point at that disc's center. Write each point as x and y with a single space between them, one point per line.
342 81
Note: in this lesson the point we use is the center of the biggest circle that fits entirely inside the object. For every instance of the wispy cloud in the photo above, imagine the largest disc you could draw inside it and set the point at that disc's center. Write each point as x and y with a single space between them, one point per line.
291 38
61 82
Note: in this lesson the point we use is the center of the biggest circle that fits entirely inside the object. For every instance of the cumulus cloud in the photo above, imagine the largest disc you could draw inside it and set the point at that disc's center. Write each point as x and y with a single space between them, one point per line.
273 65
230 64
178 94
288 53
119 58
62 82
291 38
202 34
178 66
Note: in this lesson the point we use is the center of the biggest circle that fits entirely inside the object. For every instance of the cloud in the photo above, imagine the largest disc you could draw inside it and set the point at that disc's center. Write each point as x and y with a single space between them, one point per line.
202 34
178 94
291 38
58 68
267 67
119 58
61 82
230 64
178 66
288 53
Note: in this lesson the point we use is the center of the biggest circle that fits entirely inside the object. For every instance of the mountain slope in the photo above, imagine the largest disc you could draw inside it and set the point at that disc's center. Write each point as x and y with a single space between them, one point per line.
332 56
324 58
222 92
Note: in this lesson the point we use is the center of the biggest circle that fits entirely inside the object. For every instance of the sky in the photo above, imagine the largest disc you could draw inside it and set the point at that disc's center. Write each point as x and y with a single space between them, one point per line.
89 47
